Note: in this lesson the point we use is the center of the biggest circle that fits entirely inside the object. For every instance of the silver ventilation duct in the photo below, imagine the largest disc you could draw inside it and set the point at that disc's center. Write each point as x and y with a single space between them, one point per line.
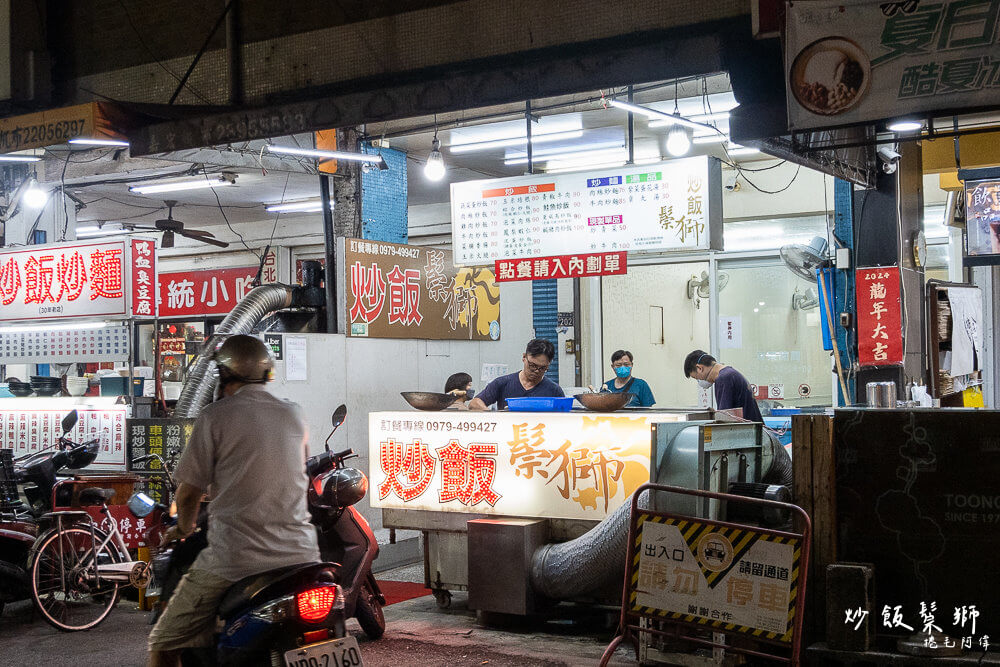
200 383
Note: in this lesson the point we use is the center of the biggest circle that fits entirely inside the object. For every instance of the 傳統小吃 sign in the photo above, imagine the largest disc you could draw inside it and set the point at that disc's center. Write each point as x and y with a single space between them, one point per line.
588 265
880 329
715 575
856 61
401 291
673 205
204 292
571 465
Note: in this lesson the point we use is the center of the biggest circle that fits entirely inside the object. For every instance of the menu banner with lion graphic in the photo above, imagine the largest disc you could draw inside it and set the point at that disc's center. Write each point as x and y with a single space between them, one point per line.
401 291
556 465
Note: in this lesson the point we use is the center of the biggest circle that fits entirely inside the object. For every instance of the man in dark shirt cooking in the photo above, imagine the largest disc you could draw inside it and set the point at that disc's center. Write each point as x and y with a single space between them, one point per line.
731 389
530 381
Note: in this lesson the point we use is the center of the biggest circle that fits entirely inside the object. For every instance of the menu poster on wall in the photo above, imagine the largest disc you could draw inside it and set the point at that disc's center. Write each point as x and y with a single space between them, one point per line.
880 330
33 425
401 291
674 205
855 61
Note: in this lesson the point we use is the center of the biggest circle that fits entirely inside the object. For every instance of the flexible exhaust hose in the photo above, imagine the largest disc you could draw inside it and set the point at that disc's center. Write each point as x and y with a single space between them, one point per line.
596 559
200 383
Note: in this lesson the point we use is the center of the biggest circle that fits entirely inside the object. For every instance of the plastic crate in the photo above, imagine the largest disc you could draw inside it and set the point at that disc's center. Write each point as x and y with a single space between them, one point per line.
540 404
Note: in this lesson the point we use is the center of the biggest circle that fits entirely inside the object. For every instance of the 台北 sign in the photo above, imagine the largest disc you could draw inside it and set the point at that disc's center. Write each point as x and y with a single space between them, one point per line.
673 205
856 61
568 266
400 291
76 279
880 331
573 466
204 292
702 572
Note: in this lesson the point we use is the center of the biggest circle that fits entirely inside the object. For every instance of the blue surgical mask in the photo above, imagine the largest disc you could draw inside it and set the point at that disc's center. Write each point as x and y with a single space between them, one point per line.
623 371
470 394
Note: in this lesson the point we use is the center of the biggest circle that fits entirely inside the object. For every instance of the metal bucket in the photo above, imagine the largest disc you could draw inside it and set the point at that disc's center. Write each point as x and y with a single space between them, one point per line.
881 394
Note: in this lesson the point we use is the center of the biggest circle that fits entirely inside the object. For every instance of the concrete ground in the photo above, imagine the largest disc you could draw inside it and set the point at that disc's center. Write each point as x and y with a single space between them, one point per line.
418 633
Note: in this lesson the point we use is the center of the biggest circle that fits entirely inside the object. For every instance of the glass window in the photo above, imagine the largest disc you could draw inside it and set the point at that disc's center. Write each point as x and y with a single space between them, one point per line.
771 234
777 340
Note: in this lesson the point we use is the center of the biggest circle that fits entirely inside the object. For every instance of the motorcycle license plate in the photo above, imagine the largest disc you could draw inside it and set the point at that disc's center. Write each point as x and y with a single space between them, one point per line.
341 652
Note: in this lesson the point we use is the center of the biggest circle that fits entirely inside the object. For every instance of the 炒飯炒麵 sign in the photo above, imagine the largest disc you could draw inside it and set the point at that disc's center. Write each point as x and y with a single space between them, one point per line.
400 291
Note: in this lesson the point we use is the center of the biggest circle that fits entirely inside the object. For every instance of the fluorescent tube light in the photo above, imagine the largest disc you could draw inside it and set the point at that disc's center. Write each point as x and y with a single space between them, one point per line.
657 115
514 141
741 150
11 157
54 327
700 118
307 206
186 184
710 139
562 169
905 125
81 234
325 155
556 153
81 141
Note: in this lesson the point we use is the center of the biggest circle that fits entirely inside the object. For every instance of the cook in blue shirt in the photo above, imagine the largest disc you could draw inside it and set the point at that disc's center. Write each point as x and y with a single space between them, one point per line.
621 364
529 381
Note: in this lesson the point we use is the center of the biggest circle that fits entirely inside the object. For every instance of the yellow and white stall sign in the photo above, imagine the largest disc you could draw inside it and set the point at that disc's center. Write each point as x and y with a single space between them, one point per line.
734 579
558 465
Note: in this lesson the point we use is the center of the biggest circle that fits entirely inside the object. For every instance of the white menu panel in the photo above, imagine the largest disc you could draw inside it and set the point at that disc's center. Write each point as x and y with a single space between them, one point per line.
109 343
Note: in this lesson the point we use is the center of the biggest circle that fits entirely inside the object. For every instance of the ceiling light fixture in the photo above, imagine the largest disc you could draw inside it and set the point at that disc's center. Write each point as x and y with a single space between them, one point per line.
56 327
658 115
434 168
82 141
85 233
710 139
562 169
904 125
328 155
306 206
219 181
11 157
34 196
679 141
571 151
514 141
741 150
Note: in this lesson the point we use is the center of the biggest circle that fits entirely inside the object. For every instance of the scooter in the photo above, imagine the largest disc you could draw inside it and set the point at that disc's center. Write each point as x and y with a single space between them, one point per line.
343 533
293 616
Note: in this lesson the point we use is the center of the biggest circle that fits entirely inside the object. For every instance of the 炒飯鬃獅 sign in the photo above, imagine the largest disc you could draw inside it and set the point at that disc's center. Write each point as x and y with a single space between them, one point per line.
856 61
880 331
401 291
674 205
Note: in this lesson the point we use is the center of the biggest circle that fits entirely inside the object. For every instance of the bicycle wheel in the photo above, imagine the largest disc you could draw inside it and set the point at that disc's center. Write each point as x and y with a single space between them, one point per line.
63 586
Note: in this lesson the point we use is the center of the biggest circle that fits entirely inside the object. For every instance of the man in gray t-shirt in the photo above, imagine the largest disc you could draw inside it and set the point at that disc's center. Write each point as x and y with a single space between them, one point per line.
248 452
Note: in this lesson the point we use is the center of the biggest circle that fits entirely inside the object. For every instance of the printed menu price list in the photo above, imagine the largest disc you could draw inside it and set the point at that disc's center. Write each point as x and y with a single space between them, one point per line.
108 343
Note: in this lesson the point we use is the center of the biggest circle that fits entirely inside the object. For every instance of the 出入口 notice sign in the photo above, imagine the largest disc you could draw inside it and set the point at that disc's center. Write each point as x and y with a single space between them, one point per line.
401 291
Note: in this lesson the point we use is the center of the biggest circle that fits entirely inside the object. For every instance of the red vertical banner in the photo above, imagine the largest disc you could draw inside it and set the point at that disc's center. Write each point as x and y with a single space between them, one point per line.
880 329
143 276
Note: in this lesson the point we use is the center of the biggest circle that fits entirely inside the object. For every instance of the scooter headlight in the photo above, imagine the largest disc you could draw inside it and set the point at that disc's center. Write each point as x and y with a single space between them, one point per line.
276 611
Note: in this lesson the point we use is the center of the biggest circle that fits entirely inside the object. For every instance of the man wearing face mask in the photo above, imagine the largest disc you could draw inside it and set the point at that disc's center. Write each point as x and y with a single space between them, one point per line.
528 382
460 385
731 389
621 364
250 448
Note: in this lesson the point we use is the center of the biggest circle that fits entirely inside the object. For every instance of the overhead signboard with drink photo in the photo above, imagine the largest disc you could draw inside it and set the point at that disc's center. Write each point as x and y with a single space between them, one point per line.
982 215
856 61
401 291
674 205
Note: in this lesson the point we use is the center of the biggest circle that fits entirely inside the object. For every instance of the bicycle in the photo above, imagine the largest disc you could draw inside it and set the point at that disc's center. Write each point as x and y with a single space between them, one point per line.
78 567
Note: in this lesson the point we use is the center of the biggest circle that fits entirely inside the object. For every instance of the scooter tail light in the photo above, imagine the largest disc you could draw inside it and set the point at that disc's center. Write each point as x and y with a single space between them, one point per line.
315 604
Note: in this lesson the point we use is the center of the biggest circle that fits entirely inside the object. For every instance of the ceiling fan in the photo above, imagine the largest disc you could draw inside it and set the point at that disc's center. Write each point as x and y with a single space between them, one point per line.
169 227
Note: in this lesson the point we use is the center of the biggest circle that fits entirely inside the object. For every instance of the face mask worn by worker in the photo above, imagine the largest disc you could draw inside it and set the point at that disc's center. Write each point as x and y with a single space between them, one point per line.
623 371
470 394
704 384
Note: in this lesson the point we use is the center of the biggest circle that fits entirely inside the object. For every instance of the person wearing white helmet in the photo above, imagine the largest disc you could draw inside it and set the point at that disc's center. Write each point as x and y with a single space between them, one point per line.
247 451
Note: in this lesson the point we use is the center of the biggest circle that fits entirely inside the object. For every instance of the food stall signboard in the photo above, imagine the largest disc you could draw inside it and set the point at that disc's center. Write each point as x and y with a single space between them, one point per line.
856 61
165 437
674 205
29 425
716 576
204 292
143 269
880 330
401 291
567 266
64 280
558 465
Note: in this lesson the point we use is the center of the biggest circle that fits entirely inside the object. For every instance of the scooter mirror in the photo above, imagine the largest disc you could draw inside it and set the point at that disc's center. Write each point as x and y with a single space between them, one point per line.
339 415
69 421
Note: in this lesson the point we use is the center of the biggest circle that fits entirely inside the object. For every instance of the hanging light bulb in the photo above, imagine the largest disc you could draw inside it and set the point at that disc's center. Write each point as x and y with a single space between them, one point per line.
34 196
679 140
434 169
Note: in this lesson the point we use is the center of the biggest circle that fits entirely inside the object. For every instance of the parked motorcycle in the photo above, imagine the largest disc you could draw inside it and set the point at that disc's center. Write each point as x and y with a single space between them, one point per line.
296 614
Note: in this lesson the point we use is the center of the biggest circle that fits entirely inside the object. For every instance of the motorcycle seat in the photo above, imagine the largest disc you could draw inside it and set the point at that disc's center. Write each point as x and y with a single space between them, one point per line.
95 496
259 588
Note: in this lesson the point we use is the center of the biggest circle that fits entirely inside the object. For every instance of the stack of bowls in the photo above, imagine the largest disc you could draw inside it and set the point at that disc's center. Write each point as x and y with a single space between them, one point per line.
18 388
76 386
46 386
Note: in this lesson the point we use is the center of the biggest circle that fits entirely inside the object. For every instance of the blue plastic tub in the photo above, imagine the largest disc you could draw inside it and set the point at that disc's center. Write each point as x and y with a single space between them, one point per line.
540 404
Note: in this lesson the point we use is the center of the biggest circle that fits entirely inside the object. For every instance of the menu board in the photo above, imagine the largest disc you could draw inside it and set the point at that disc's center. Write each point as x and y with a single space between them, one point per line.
674 205
165 437
27 427
982 215
109 343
